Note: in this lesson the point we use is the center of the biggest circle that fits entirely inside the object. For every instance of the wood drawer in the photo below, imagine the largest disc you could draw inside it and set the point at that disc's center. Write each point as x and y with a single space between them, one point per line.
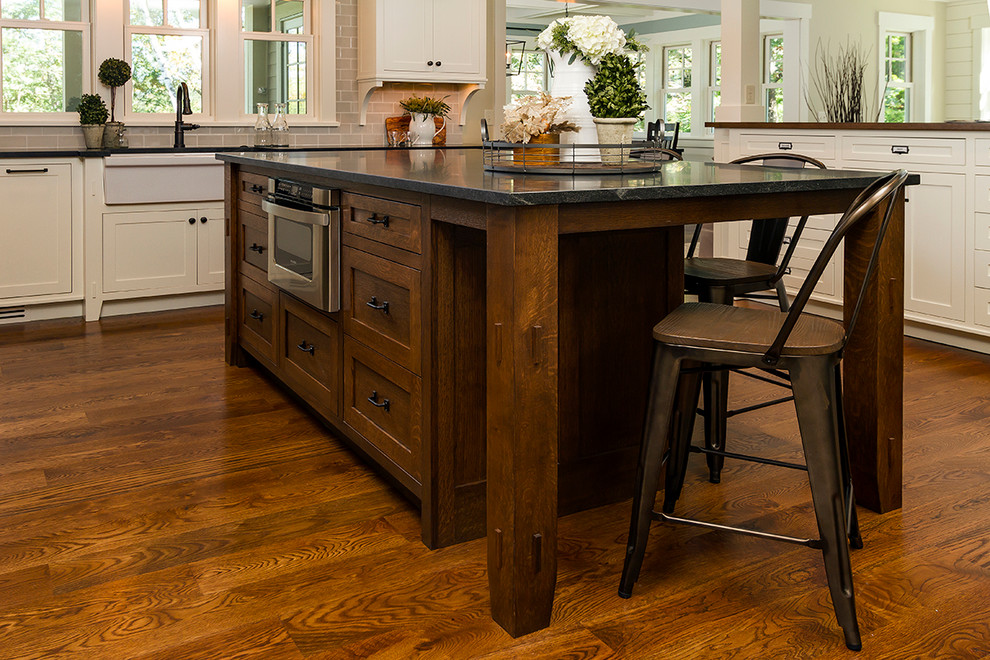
821 147
382 220
982 316
383 402
251 189
257 319
253 240
310 355
381 305
982 231
981 269
893 152
982 151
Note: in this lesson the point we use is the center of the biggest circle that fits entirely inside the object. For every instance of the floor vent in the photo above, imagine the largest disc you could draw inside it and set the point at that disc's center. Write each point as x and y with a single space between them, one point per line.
12 313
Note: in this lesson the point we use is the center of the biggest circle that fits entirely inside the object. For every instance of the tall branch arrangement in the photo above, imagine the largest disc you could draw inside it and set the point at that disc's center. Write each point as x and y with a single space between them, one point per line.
839 81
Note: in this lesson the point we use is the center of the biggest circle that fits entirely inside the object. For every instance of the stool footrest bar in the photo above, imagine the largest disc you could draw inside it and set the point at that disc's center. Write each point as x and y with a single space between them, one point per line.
745 457
810 543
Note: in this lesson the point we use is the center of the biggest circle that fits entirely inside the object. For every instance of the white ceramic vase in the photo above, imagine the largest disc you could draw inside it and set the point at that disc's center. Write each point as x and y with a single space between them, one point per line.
422 129
569 80
615 131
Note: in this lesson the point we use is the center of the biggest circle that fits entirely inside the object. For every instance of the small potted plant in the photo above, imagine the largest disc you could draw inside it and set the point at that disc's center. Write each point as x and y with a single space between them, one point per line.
113 73
617 102
537 119
92 115
428 121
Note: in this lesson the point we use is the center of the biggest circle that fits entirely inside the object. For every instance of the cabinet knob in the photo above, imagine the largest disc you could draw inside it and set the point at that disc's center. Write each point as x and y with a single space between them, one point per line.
192 221
430 63
373 400
438 62
203 219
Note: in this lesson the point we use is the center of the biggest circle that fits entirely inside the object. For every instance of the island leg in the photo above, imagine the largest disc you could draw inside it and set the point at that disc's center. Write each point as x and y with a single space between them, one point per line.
873 364
522 415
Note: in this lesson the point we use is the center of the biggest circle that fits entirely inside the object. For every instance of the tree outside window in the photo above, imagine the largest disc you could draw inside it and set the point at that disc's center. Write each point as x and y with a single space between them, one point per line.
42 68
677 86
897 73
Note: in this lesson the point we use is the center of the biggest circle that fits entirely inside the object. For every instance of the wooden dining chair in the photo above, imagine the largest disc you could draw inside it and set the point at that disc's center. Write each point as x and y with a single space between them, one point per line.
663 134
722 280
702 335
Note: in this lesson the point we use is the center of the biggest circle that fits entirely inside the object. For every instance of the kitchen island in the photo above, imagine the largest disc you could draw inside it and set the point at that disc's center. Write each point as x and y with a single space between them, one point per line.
515 352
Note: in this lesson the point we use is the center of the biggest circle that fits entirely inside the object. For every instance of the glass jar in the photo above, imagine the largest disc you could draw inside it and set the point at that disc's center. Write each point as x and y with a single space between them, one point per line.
280 126
262 127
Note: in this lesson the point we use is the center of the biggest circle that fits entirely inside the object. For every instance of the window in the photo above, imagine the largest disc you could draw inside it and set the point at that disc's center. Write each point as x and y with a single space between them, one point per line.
714 79
278 41
677 86
42 63
897 75
529 72
773 77
167 44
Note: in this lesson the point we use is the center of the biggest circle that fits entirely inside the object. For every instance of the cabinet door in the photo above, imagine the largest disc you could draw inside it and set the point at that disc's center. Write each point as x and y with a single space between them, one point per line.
149 250
36 230
456 36
935 246
210 246
405 34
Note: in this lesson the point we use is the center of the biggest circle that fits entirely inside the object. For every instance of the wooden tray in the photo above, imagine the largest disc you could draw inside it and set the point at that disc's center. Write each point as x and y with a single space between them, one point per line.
402 124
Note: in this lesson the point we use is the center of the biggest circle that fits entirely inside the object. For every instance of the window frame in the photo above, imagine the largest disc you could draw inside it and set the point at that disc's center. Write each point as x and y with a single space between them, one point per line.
84 26
765 84
530 47
907 84
714 80
665 89
922 31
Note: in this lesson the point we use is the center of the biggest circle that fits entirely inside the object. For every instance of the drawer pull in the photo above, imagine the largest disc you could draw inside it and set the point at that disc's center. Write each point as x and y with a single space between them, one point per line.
306 348
373 400
256 315
785 146
40 170
257 188
373 304
375 220
903 149
257 248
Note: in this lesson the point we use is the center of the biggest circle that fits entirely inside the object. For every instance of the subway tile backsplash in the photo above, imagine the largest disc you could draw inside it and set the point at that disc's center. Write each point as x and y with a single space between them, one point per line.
383 103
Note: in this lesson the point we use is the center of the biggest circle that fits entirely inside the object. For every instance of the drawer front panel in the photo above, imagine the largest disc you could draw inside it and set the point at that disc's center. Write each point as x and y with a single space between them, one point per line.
821 147
382 220
382 306
254 245
982 231
982 192
310 356
982 151
982 316
251 190
895 151
383 402
981 269
257 319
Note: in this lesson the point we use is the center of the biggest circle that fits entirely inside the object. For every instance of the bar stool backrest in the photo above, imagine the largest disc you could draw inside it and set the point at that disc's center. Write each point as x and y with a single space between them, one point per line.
881 190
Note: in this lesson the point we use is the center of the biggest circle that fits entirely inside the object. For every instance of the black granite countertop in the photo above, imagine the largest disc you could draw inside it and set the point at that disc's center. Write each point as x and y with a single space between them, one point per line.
28 152
460 174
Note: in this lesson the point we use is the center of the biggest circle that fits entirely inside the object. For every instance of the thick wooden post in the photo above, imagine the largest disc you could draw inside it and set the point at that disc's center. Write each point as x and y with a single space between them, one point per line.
522 415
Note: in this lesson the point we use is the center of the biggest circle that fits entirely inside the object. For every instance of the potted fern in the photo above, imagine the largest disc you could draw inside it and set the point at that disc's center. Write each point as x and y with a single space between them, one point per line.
113 73
424 113
617 102
92 116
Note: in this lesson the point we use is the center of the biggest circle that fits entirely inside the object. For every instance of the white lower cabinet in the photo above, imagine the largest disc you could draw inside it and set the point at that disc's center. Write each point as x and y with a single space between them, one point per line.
156 250
36 230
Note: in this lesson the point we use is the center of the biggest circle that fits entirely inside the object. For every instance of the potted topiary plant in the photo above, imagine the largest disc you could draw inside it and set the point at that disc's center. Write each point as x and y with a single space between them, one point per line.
92 115
424 112
617 102
113 73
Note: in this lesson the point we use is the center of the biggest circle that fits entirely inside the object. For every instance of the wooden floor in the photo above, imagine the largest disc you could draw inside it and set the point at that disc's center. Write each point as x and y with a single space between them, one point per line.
156 503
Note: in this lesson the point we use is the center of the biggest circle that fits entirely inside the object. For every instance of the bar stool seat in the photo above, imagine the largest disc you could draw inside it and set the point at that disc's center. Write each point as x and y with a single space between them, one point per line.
721 271
710 325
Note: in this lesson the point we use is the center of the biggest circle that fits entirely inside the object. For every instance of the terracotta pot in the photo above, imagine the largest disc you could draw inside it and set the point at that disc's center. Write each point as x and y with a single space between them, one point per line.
615 131
93 135
536 156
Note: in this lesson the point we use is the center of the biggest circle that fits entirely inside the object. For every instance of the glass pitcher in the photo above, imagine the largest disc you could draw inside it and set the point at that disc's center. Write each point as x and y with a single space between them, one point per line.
262 127
280 126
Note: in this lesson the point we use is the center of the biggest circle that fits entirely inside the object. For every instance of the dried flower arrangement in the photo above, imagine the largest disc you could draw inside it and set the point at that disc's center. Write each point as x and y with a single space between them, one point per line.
589 37
839 82
533 115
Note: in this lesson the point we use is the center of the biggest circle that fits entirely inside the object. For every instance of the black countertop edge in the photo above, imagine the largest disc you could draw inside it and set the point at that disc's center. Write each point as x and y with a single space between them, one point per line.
102 153
536 198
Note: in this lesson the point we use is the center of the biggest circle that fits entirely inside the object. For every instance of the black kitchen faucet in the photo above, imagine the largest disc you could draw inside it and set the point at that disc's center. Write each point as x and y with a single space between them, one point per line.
182 107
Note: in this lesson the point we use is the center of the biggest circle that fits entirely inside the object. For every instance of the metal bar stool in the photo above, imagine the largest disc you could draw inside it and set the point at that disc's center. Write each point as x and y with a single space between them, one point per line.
696 336
722 280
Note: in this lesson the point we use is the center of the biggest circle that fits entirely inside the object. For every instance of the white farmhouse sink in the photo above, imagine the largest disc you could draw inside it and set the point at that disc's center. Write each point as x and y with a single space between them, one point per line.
146 178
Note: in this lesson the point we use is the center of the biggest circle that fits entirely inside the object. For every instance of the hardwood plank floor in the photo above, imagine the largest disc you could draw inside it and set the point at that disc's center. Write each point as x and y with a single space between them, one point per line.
156 503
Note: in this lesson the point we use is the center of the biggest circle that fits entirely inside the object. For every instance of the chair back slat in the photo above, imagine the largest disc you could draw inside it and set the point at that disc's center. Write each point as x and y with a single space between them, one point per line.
881 190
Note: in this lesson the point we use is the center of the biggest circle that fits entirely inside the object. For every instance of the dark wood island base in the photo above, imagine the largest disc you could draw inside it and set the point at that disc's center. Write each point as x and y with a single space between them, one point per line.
515 351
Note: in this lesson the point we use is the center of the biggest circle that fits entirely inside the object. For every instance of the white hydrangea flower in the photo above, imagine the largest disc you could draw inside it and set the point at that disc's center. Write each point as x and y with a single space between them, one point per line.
593 36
